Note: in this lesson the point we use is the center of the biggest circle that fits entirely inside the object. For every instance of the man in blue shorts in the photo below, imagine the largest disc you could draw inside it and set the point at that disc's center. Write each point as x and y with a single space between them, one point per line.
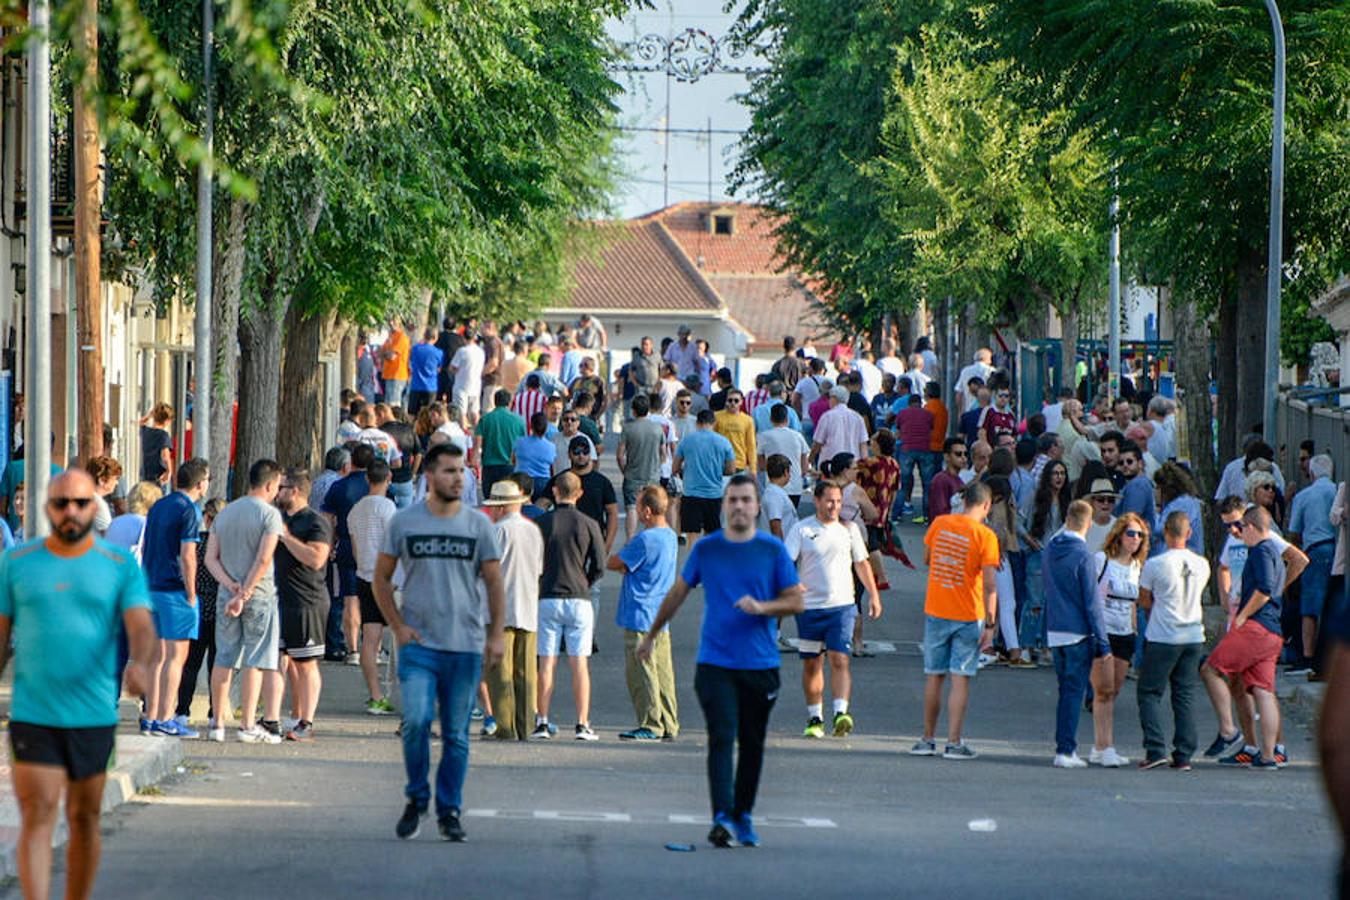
63 599
748 581
829 554
169 555
962 557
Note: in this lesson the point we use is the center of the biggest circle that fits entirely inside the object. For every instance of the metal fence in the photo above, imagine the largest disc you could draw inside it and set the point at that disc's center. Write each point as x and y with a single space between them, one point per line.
1308 414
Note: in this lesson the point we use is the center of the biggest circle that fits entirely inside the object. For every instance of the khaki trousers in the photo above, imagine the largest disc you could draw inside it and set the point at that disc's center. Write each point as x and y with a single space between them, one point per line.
651 684
511 686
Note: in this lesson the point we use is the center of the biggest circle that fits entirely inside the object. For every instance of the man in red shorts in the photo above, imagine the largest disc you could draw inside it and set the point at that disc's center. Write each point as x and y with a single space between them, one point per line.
1249 651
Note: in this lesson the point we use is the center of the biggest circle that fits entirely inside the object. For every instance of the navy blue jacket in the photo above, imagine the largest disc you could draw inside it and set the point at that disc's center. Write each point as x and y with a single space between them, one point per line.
1071 602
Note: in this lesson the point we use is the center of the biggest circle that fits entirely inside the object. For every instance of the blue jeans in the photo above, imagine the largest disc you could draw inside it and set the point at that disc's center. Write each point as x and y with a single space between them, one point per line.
1073 668
428 677
401 492
908 459
1031 624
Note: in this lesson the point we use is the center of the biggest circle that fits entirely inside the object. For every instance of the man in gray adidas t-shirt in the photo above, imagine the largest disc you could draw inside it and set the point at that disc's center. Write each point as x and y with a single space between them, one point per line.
443 629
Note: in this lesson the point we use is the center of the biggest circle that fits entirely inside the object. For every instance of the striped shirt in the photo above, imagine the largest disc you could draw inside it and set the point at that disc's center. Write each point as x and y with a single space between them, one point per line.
755 398
527 403
367 523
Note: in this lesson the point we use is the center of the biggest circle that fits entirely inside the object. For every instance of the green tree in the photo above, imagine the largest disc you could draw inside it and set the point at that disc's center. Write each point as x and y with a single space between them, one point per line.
816 120
1180 92
999 200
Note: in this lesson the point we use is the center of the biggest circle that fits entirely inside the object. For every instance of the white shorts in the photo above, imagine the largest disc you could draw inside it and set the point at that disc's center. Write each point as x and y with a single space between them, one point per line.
467 401
568 623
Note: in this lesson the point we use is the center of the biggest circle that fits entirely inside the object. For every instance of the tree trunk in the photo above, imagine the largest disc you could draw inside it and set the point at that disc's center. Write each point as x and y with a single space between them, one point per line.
1191 352
1249 389
300 438
88 243
227 287
1068 350
942 342
971 335
1225 375
260 344
347 359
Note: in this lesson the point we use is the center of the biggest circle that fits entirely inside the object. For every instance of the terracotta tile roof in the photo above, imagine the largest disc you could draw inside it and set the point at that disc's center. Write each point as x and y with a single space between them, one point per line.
749 250
771 307
640 268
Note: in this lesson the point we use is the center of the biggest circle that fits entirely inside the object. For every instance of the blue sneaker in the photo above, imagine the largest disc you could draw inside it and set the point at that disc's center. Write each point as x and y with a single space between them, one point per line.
185 731
745 831
1267 765
720 836
477 713
489 726
163 729
639 734
147 726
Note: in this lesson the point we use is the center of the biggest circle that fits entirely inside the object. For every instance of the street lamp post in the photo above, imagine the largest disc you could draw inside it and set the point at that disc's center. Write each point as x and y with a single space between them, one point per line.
1113 305
38 349
201 338
1275 251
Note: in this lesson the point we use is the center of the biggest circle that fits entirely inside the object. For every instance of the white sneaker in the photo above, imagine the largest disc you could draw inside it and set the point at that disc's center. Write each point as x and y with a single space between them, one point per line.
1069 761
258 735
353 659
1095 757
216 734
1110 759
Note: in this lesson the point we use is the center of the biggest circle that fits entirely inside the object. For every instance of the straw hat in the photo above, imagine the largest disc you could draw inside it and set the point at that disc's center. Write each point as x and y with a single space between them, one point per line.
1101 487
505 493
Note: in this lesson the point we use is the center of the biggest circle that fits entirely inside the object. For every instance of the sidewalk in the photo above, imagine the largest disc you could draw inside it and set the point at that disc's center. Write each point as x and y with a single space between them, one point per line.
138 763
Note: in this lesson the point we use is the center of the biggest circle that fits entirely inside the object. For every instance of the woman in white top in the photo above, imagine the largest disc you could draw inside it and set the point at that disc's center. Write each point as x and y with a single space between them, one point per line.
1117 567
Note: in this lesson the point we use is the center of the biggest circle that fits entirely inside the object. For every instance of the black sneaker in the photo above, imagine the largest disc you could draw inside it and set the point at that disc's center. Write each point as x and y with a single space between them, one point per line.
411 821
1223 745
720 836
450 828
541 732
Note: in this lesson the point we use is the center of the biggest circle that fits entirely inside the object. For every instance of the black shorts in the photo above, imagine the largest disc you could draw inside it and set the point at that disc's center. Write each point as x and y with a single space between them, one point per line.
370 610
82 752
304 626
701 514
1122 646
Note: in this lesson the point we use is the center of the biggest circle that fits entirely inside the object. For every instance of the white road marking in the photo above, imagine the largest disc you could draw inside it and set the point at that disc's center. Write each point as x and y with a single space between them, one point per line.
166 800
622 818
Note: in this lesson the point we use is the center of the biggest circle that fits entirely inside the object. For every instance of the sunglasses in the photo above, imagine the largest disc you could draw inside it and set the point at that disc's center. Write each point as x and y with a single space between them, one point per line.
959 454
1131 532
1103 501
685 402
77 502
1235 527
570 419
581 452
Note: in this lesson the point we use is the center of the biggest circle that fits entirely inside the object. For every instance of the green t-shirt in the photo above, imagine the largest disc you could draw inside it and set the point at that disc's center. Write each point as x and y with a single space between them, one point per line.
590 429
499 430
67 612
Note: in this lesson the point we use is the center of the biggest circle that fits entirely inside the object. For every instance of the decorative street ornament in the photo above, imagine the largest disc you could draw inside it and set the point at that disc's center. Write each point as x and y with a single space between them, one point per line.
688 56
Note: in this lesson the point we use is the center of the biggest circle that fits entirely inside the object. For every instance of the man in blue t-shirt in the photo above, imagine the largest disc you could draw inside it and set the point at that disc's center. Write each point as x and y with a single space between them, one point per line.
1250 649
648 566
169 555
63 600
702 460
748 581
424 365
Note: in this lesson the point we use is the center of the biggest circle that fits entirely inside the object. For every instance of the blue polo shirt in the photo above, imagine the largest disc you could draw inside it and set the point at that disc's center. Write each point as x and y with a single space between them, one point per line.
345 493
66 612
1310 513
728 571
650 558
424 362
1264 571
705 454
171 522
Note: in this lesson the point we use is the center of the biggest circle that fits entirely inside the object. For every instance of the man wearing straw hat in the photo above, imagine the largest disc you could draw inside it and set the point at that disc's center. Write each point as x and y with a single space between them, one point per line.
512 684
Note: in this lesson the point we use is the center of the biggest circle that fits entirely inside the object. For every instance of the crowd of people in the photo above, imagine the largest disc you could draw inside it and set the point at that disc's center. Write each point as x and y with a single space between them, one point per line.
462 508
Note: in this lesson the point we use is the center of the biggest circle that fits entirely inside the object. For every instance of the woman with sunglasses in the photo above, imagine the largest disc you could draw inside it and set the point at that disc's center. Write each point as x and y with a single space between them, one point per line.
1117 566
1053 496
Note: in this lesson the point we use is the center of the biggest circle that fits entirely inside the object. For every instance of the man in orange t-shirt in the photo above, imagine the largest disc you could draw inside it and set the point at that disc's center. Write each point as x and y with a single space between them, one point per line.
395 353
962 557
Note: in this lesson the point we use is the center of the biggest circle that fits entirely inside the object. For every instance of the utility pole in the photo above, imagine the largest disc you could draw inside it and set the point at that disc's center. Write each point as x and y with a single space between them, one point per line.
1113 305
38 348
201 331
88 243
1275 257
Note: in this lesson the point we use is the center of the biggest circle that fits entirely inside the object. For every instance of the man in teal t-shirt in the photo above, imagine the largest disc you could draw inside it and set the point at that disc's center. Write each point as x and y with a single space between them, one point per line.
63 600
494 436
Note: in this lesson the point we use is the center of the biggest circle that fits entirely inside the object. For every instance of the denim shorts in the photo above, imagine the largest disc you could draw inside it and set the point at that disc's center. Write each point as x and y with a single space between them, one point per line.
950 647
825 629
1313 583
566 622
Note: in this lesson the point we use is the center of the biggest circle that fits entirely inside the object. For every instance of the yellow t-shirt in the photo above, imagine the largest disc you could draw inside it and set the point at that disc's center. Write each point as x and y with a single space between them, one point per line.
740 430
958 550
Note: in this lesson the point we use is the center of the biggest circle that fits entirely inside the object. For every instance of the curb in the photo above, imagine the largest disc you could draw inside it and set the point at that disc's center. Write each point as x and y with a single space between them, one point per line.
1307 698
141 762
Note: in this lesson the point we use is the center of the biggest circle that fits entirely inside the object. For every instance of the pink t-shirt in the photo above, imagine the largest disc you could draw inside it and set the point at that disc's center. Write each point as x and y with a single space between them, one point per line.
840 430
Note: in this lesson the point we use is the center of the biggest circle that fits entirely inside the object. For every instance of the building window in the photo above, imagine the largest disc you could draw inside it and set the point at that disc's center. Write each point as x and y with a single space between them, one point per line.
724 224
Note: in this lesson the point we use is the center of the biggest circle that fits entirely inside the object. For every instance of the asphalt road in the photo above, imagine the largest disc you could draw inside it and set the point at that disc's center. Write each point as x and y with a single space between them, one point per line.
838 817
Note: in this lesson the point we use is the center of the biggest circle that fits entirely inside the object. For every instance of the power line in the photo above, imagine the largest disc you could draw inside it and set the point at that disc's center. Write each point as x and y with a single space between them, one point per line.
704 132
